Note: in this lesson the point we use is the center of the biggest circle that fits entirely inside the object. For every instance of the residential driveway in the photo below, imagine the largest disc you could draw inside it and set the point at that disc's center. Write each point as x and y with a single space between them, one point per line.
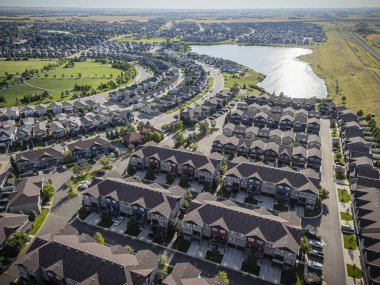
300 211
266 202
143 235
270 272
198 250
240 197
233 258
196 187
93 219
140 174
120 228
161 178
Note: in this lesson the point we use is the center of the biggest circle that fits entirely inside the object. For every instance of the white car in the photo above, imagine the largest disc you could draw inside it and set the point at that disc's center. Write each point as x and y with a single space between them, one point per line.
316 244
315 265
118 221
40 173
83 185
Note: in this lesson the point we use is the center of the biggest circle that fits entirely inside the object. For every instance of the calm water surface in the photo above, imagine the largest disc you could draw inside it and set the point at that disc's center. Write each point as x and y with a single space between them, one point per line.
284 72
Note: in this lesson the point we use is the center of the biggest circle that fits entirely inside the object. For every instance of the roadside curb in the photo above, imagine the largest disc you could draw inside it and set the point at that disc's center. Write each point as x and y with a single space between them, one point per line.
315 217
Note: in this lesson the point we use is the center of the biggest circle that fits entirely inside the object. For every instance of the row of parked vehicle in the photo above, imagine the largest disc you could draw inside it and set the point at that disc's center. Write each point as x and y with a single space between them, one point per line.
222 111
316 255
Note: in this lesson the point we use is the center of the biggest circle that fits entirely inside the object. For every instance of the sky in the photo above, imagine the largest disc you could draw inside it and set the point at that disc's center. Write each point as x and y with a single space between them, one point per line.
194 4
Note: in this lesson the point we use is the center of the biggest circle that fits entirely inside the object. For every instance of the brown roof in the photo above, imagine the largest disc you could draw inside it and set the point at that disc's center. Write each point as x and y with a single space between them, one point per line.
82 259
86 144
132 137
283 230
38 153
9 223
26 191
152 197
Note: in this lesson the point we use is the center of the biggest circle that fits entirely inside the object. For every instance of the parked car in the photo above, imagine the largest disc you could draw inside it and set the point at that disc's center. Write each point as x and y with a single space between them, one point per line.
83 185
316 254
316 244
118 221
315 265
40 173
346 228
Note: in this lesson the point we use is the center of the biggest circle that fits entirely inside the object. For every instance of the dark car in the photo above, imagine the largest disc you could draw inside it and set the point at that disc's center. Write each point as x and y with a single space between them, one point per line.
315 254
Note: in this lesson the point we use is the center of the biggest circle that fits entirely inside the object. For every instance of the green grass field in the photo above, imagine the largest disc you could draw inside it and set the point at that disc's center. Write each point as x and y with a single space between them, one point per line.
60 79
12 66
38 222
348 71
250 77
343 196
349 241
354 271
345 216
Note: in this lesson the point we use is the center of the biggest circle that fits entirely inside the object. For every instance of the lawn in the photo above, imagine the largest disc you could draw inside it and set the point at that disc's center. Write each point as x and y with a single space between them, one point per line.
349 241
83 73
14 66
343 195
250 77
37 223
214 255
136 38
345 216
347 69
354 271
181 245
83 213
210 83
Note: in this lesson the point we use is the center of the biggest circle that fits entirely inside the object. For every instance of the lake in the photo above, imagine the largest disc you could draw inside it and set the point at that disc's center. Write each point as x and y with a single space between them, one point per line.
284 72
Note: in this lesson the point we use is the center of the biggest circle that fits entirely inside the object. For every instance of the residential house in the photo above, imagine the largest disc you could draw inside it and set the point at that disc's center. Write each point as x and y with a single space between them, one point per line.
26 196
38 159
150 204
259 231
11 223
56 258
89 148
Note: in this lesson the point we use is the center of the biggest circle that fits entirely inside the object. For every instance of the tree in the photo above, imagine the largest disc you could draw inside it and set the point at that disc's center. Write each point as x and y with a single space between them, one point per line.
176 226
223 166
82 168
150 174
222 276
131 170
360 113
105 160
184 183
169 178
15 243
187 199
140 125
129 249
305 247
133 227
324 194
99 238
204 127
179 139
48 190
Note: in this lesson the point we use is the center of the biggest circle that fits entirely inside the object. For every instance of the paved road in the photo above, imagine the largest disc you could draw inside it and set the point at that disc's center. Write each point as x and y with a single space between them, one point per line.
217 87
365 45
328 224
208 269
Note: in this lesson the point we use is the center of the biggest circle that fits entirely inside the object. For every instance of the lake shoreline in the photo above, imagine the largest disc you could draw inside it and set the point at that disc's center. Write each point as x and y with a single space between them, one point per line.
284 70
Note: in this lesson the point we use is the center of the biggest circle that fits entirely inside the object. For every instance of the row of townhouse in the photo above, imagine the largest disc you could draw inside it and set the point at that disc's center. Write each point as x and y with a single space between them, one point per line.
28 129
276 117
217 62
257 231
150 204
11 223
52 157
67 258
272 135
282 101
191 86
201 112
299 187
164 159
284 183
364 180
298 157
